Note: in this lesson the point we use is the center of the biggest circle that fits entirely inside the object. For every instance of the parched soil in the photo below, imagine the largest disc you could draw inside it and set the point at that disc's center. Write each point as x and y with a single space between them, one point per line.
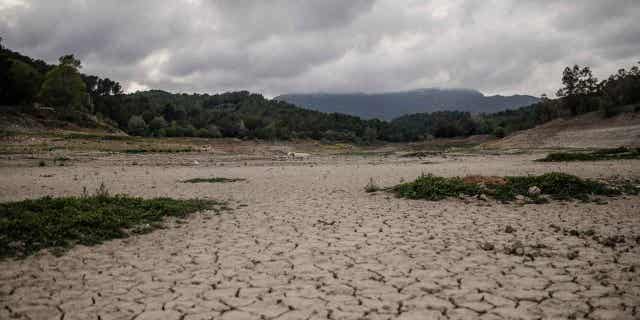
584 131
304 241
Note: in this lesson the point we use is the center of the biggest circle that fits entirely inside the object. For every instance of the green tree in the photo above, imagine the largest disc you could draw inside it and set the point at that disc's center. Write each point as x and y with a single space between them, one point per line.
578 82
25 81
157 123
370 134
137 126
63 87
70 60
500 132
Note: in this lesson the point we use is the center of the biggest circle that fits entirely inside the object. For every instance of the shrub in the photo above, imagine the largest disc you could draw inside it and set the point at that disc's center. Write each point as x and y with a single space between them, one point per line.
137 125
214 132
500 132
157 123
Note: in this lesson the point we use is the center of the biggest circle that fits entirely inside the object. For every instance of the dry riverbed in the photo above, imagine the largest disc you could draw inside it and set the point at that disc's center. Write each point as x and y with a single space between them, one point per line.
304 241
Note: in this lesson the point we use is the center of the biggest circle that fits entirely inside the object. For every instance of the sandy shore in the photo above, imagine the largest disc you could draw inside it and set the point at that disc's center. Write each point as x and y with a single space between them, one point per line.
304 241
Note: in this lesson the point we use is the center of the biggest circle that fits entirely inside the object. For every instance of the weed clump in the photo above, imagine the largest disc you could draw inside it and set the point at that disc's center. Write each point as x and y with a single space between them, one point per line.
621 153
30 225
556 185
433 188
212 180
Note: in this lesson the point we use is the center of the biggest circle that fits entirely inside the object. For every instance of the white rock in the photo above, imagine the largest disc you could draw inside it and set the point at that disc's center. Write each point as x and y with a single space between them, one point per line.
534 191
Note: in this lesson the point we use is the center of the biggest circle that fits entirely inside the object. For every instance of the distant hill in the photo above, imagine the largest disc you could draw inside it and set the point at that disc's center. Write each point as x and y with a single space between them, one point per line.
391 105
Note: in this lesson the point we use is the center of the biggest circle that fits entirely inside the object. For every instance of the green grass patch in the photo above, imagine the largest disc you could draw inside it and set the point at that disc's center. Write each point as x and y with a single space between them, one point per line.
30 225
212 180
559 186
621 153
434 188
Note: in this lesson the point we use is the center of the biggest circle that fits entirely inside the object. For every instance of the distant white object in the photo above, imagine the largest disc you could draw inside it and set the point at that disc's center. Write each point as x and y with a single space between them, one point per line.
534 191
196 162
298 155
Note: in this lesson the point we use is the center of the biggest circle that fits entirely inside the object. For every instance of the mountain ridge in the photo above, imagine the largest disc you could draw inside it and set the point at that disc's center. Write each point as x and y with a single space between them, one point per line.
390 105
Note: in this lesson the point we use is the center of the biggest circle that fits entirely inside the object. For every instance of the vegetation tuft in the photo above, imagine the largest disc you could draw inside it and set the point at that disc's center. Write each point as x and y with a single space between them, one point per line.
604 154
30 225
212 180
559 186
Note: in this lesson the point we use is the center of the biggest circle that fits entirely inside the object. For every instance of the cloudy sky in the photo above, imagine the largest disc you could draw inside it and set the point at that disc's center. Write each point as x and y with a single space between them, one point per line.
284 46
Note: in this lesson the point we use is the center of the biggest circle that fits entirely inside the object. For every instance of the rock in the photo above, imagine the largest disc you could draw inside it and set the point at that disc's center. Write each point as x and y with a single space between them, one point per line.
517 249
483 197
534 191
196 162
487 246
520 197
509 229
573 254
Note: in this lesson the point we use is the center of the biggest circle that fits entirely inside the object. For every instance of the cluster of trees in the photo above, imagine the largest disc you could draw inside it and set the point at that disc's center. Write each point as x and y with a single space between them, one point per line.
581 93
24 81
232 114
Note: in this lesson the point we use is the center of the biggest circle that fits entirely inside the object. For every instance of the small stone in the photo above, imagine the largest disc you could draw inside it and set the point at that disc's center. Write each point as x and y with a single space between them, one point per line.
487 246
573 254
483 197
517 248
520 197
509 229
534 191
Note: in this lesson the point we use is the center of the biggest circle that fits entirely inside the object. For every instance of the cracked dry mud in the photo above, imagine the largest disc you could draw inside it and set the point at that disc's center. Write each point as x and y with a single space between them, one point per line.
310 244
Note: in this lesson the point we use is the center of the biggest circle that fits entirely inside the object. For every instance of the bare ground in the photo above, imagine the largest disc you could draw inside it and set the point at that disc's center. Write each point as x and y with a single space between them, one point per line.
304 241
585 131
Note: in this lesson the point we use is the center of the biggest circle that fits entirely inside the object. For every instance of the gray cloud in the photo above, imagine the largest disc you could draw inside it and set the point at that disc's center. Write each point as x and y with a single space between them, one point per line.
283 46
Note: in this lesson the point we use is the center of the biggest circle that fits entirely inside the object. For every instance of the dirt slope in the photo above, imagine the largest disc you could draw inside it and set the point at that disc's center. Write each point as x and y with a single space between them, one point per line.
585 131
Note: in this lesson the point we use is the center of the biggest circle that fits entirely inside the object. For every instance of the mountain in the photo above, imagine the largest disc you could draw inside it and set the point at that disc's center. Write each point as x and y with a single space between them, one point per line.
395 104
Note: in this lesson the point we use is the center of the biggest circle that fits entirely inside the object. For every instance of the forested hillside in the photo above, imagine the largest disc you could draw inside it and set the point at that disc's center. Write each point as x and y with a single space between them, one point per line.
388 106
75 97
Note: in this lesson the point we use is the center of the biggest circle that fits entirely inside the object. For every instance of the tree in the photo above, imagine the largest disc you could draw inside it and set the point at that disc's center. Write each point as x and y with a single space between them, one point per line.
213 132
63 87
500 132
137 126
70 60
157 123
578 82
370 134
25 82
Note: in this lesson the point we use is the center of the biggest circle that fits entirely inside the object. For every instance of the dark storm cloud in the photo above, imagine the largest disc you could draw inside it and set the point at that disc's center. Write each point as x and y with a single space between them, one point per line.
284 46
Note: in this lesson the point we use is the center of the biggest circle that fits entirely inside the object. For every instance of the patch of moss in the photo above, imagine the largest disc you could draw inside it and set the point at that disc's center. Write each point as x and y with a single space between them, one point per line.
30 225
